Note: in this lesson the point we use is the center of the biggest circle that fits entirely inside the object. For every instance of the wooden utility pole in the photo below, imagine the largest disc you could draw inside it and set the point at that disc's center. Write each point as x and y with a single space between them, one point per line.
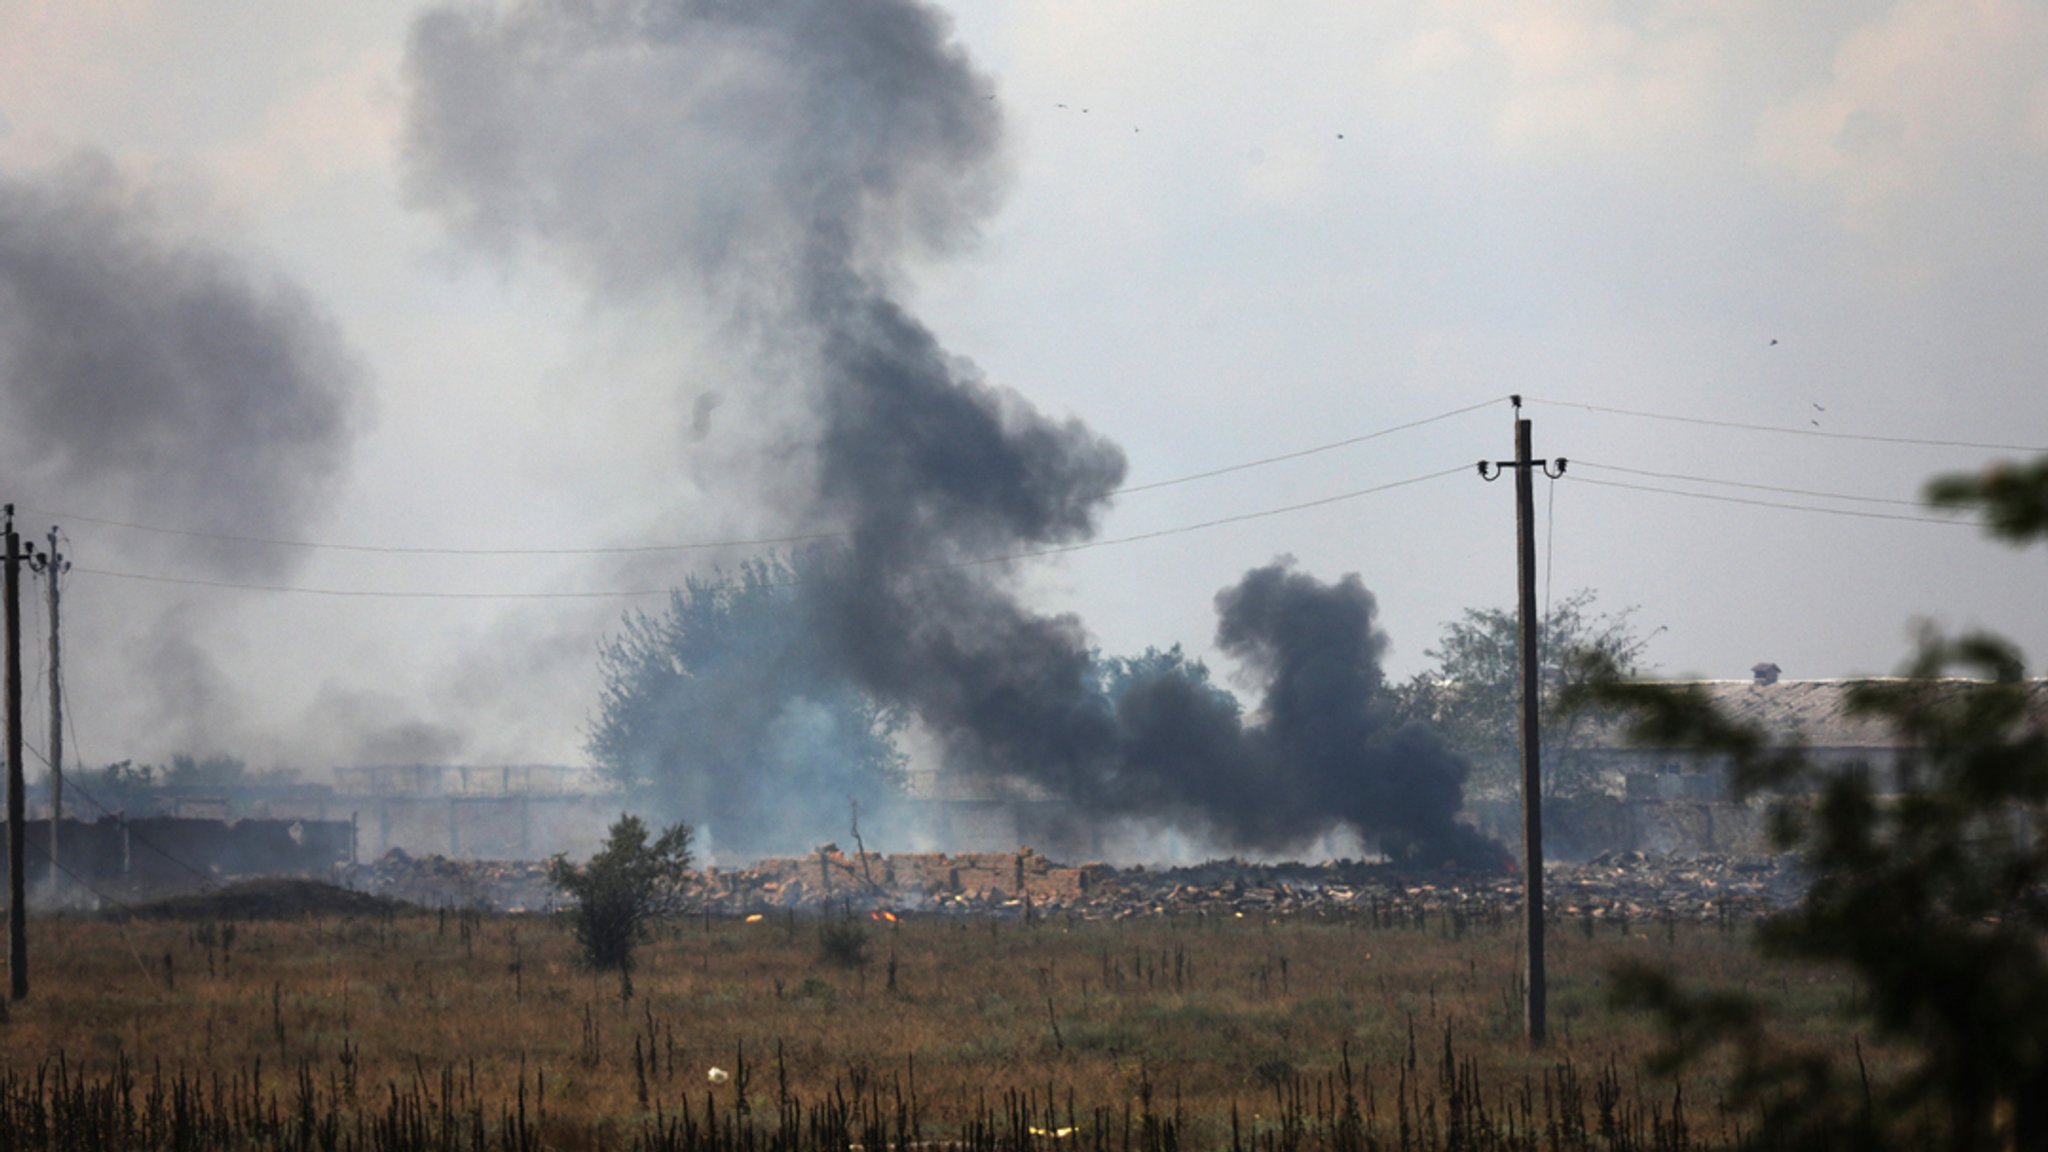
56 568
17 793
1535 1002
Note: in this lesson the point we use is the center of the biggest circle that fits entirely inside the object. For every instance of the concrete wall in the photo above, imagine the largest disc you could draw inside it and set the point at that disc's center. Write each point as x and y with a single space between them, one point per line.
482 827
177 851
1583 827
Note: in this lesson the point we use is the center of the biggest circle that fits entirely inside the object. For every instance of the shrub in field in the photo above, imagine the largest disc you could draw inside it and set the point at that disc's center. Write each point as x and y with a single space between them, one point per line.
843 942
627 882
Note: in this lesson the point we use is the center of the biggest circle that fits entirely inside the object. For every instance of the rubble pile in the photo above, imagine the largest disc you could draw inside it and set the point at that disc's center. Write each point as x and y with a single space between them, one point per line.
1623 886
1631 885
920 881
438 882
1642 885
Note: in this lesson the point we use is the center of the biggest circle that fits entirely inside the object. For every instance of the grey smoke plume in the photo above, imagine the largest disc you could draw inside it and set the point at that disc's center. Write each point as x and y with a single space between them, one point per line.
761 149
785 160
148 375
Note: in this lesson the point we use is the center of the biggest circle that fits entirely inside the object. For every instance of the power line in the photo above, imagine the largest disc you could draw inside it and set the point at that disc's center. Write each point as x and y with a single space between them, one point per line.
1206 524
614 594
133 835
1298 454
369 594
398 550
1751 486
1782 430
705 545
207 879
120 927
1577 479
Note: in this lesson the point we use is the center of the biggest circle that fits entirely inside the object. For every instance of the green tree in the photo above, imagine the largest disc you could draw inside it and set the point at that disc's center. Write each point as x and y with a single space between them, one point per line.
1472 696
125 786
1929 882
627 883
1116 675
723 707
215 771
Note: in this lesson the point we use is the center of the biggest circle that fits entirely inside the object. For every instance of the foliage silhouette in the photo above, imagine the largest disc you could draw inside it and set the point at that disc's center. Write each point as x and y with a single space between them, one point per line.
723 708
1472 696
1929 881
628 882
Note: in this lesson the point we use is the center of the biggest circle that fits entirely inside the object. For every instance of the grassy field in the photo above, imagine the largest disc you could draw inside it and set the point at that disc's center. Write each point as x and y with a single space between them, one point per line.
1191 1032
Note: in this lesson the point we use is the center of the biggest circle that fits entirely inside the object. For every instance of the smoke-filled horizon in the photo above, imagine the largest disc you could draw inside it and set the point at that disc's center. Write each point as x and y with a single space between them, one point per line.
782 163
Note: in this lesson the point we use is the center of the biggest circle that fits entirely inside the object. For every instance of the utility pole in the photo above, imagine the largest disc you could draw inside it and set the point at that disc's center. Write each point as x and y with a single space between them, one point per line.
56 568
17 798
1535 1003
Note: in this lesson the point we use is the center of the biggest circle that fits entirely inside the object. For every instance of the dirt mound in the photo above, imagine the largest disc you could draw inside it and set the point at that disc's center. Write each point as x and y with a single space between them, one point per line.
271 898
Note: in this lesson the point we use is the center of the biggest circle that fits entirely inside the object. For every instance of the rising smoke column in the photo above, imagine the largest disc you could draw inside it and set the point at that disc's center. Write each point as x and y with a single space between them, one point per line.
783 161
1323 751
1327 733
148 374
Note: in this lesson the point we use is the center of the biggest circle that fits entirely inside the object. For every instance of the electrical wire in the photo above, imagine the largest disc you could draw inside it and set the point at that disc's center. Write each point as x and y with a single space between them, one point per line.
72 784
1003 558
704 545
398 550
1719 498
1581 463
207 878
1782 430
369 594
1182 529
103 897
1296 455
120 926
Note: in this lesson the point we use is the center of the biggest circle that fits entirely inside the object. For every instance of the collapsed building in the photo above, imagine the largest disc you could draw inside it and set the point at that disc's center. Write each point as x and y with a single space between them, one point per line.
1677 800
1023 884
149 854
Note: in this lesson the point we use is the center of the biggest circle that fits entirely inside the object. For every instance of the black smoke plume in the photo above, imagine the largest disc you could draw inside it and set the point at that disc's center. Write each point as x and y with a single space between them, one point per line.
783 161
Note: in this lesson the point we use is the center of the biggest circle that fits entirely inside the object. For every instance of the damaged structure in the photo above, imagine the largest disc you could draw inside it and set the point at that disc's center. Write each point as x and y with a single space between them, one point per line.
157 853
1678 800
1619 888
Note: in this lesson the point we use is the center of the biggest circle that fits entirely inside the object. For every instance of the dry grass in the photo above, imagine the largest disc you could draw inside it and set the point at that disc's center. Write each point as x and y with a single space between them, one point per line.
1209 1013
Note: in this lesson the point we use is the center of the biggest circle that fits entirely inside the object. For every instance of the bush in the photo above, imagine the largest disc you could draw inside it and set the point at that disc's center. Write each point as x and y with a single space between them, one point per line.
627 883
843 942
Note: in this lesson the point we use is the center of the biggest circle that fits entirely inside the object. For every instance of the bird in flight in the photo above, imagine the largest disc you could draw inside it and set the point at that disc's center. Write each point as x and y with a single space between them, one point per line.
1774 343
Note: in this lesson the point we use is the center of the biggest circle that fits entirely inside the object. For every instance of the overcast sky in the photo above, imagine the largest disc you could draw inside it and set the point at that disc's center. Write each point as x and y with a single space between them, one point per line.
1224 233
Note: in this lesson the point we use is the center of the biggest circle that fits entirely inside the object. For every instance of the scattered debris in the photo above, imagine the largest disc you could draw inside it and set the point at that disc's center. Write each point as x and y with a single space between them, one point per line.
1612 886
438 882
1631 885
